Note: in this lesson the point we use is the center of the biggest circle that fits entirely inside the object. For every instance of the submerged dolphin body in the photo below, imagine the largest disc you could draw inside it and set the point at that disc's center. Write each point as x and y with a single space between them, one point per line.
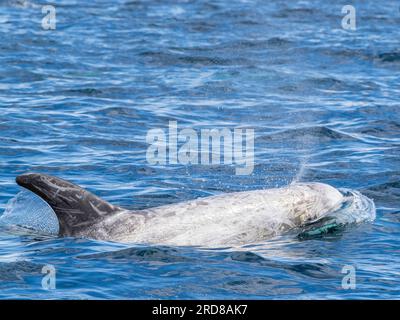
228 219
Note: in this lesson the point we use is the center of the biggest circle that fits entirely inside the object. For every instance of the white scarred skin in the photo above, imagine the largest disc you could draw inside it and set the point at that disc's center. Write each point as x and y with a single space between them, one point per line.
228 219
231 219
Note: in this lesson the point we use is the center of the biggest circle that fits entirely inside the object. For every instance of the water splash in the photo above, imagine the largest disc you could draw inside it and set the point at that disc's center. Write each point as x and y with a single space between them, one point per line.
356 208
302 169
28 211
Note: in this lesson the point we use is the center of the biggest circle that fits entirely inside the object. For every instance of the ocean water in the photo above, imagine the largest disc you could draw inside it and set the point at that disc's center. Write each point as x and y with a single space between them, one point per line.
78 101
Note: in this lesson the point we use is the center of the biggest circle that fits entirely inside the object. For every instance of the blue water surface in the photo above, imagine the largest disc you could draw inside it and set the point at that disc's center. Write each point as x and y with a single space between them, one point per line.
78 101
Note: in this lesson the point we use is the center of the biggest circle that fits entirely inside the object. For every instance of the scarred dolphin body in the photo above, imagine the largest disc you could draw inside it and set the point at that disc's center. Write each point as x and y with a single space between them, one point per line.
228 219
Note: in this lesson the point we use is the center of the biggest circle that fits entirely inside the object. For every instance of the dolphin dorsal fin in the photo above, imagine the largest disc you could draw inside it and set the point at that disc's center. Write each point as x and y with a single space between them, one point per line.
76 208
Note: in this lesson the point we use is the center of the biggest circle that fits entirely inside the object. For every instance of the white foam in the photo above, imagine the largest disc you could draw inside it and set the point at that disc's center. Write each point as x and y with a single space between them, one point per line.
27 210
356 208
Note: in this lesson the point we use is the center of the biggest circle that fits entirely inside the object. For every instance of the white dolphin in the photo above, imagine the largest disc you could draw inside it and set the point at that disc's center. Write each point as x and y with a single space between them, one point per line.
223 220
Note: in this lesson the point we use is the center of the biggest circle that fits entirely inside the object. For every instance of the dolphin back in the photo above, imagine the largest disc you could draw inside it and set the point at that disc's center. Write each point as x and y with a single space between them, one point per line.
76 208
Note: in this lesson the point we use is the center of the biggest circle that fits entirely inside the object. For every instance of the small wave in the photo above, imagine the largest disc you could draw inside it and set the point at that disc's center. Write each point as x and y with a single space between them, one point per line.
117 112
387 193
389 57
165 58
385 187
246 256
298 13
19 3
83 91
317 133
330 83
15 271
252 44
167 255
382 128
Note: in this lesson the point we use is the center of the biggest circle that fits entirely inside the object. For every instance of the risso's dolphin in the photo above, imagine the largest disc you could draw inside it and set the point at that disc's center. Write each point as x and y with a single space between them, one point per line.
228 219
